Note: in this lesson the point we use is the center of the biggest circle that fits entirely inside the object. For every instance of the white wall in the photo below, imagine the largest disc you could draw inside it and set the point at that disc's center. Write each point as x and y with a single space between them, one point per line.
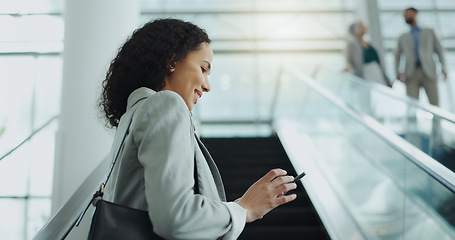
94 30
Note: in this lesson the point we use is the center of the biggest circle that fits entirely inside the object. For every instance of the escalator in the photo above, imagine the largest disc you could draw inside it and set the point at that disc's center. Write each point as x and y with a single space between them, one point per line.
241 162
429 128
363 180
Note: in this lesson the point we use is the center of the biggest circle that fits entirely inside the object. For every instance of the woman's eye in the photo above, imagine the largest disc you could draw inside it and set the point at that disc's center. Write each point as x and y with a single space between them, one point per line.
203 70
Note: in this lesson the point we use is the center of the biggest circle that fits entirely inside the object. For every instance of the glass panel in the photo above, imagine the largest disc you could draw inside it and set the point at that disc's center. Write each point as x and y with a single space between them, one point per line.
47 89
403 4
14 170
396 20
12 222
251 40
27 196
445 4
421 127
242 4
388 195
41 163
233 90
35 33
32 6
38 214
238 94
16 223
15 118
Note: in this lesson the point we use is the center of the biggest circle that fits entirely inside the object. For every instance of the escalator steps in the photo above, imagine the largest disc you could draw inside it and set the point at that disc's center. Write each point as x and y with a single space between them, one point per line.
241 162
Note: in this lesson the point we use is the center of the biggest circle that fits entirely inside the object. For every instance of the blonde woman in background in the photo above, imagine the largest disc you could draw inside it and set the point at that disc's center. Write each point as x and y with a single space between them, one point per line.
362 57
364 62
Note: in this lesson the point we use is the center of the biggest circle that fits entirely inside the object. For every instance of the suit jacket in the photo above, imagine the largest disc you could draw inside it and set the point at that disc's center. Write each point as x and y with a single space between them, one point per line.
354 56
428 45
155 171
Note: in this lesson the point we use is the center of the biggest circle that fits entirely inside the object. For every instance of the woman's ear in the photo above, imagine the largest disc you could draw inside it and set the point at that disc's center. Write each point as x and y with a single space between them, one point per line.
171 67
171 64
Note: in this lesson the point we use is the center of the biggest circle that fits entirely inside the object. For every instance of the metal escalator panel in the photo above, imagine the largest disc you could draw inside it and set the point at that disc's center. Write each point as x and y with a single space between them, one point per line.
427 127
388 188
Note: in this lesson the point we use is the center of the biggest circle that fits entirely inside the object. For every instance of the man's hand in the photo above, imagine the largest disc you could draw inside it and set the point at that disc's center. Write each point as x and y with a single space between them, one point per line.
401 77
444 74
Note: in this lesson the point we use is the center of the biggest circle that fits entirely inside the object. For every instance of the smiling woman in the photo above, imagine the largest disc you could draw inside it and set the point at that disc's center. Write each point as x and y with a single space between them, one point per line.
158 76
189 77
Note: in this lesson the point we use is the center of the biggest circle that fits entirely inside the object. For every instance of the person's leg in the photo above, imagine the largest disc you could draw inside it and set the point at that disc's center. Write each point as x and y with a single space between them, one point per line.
431 88
413 84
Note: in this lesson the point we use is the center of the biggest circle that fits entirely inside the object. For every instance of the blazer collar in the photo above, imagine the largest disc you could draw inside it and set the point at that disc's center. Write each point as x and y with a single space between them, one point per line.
416 28
137 95
213 169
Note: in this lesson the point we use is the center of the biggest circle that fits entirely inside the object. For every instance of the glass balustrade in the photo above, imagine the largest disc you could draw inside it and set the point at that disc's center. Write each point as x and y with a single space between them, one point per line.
427 127
390 188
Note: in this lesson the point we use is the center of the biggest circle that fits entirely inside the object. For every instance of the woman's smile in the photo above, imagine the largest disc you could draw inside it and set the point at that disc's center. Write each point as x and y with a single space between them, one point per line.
197 95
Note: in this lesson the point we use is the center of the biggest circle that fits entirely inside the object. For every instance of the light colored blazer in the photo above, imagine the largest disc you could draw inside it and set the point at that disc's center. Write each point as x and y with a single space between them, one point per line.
155 171
354 57
429 44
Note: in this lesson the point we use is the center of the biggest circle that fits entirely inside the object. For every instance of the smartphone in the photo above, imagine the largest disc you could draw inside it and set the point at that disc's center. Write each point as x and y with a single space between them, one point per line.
299 177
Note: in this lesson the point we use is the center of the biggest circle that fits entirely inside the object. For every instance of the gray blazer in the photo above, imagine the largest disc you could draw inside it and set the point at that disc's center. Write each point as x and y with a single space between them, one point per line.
354 56
155 171
428 45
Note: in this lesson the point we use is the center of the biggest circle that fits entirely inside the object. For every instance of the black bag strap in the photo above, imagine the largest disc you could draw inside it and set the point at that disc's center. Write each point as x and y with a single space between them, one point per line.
99 194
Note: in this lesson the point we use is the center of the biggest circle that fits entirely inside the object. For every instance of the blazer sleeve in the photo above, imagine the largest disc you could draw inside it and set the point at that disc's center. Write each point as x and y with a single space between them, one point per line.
354 58
398 52
381 63
439 50
162 134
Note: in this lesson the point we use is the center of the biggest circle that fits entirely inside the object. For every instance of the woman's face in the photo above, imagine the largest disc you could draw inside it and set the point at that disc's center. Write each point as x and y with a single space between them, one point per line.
363 29
189 78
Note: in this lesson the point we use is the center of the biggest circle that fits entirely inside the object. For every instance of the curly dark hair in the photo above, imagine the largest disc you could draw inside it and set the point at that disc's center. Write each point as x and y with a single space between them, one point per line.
143 61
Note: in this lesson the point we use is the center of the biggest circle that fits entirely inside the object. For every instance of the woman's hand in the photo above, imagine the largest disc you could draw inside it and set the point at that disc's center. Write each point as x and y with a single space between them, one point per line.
266 194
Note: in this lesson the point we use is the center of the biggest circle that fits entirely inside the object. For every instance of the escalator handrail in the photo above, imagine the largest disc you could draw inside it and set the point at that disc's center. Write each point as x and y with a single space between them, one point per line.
30 136
436 111
64 220
422 160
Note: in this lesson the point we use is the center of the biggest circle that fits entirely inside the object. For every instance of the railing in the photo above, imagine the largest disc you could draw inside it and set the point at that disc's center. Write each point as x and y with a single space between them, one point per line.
26 167
52 119
60 225
374 87
353 160
329 183
428 127
436 170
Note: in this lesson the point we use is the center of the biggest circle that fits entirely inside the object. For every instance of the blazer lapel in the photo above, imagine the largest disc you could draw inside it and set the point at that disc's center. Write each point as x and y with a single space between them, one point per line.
215 173
411 43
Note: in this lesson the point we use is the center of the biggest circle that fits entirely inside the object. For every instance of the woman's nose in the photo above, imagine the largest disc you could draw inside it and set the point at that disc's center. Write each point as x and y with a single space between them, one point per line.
206 85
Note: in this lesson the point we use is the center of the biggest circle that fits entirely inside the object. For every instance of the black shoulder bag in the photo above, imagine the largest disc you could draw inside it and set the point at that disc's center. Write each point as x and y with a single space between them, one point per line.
116 222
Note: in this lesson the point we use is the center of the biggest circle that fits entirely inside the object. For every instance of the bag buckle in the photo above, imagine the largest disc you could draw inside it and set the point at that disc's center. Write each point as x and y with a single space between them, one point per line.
98 195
